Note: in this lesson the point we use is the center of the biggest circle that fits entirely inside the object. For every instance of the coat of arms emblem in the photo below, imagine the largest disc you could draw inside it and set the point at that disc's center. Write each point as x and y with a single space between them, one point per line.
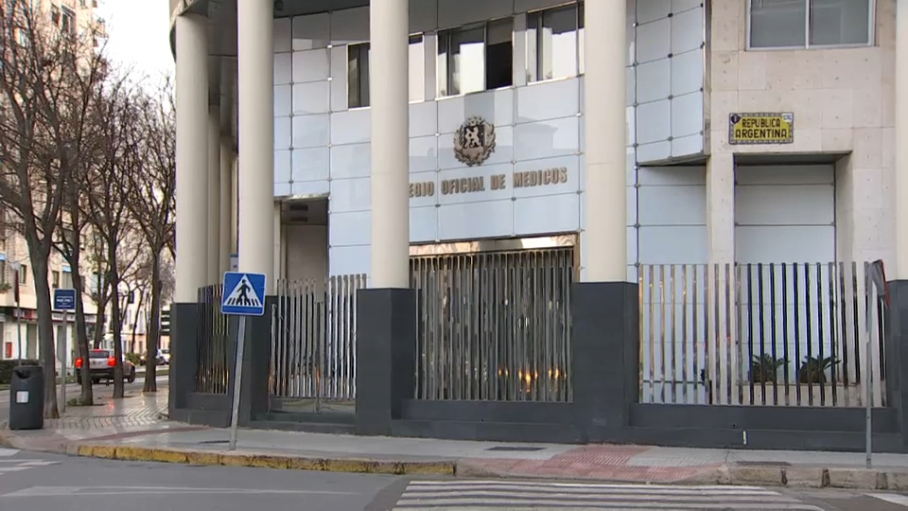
474 141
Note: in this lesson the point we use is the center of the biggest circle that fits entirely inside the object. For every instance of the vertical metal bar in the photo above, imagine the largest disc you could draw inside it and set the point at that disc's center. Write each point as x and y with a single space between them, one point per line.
808 324
843 333
652 331
762 361
833 338
750 330
785 339
706 343
797 331
695 338
684 346
821 337
772 331
674 341
858 377
717 317
662 338
729 361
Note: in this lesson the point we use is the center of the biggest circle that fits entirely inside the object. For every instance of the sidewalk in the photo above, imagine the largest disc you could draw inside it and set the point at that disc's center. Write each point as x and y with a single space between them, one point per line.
136 428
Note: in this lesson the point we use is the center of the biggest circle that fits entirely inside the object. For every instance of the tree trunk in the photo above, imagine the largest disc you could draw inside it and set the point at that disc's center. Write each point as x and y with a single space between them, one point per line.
115 320
87 397
135 322
154 327
103 299
39 254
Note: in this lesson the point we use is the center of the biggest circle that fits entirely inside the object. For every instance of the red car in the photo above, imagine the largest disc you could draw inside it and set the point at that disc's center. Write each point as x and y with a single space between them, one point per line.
101 367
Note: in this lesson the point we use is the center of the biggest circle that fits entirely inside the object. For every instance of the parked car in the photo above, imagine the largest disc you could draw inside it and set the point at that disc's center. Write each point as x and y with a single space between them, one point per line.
162 359
101 367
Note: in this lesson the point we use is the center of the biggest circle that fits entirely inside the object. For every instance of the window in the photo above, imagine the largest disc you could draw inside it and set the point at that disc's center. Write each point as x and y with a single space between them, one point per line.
23 274
67 280
55 15
476 58
809 23
358 75
358 72
55 279
553 42
68 21
3 272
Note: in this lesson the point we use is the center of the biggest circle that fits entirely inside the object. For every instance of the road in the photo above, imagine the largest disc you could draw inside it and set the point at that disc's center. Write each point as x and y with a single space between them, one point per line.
100 391
46 482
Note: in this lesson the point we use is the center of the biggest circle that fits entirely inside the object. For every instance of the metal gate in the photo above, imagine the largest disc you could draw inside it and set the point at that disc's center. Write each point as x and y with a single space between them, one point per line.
494 325
313 348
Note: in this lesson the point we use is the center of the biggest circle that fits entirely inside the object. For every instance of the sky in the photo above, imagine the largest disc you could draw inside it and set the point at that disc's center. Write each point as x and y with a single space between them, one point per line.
139 35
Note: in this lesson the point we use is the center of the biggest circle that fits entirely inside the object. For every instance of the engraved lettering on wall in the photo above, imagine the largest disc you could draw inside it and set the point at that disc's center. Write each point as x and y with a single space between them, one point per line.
422 189
554 176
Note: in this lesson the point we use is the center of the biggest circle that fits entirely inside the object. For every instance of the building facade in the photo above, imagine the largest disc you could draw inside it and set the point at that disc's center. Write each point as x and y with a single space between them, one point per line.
627 153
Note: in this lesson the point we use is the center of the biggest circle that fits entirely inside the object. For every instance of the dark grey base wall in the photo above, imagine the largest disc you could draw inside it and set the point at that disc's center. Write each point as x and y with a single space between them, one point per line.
605 407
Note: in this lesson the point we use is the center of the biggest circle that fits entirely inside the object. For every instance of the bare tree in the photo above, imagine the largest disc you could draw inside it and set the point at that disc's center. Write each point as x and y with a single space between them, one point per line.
152 202
47 79
108 199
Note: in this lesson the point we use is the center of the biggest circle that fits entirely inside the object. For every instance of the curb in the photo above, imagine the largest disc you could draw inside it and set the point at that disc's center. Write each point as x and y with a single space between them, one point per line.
731 475
350 465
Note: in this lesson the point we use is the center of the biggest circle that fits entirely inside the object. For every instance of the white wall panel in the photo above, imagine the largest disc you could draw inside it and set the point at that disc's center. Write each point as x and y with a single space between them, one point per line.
486 172
557 137
282 132
351 127
672 205
319 188
347 229
310 164
283 65
425 200
423 119
687 115
282 166
673 245
536 102
349 260
423 153
785 214
350 26
281 33
354 160
496 107
311 65
547 214
338 78
311 32
423 224
476 220
310 98
310 131
454 13
504 149
351 195
283 100
572 185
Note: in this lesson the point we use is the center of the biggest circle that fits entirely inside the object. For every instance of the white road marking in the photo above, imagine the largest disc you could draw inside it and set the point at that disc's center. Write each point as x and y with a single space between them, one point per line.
461 495
8 452
901 500
94 491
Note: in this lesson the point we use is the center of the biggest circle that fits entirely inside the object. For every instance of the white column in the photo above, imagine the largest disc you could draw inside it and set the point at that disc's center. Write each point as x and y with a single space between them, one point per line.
191 156
901 131
225 213
606 152
255 69
389 83
214 194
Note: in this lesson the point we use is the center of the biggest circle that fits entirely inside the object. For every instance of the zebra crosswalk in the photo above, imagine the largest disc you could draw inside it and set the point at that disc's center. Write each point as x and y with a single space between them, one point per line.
9 464
468 495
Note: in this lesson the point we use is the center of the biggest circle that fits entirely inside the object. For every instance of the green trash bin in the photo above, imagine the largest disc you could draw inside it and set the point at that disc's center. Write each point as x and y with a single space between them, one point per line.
26 398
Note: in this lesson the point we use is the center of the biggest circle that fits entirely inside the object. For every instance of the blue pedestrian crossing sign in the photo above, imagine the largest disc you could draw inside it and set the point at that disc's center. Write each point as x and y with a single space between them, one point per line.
244 294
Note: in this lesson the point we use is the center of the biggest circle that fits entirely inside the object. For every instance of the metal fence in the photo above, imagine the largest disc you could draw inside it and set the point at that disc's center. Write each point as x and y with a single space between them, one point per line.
761 334
313 351
494 326
212 372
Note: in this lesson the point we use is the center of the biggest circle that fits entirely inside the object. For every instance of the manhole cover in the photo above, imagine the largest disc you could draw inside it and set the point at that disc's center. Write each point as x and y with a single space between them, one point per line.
764 463
515 448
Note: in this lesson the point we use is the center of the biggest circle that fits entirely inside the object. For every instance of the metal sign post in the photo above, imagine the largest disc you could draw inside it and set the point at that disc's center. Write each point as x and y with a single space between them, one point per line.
64 300
244 295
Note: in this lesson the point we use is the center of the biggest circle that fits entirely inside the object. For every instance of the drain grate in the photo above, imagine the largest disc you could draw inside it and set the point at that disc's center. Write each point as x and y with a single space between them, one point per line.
764 463
214 442
514 448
